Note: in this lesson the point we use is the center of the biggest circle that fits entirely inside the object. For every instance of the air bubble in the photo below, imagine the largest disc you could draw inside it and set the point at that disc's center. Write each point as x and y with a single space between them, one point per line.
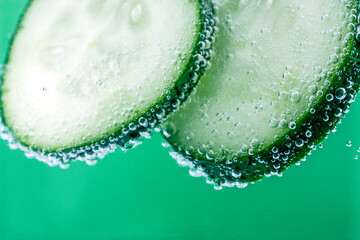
319 93
338 112
210 155
317 78
287 76
202 149
337 36
276 156
351 27
292 125
282 95
254 143
340 93
275 150
312 99
283 123
244 148
358 35
295 97
273 123
329 97
299 143
143 122
312 89
334 58
99 83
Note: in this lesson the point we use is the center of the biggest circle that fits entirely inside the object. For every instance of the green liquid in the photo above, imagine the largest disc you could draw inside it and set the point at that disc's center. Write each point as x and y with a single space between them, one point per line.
143 194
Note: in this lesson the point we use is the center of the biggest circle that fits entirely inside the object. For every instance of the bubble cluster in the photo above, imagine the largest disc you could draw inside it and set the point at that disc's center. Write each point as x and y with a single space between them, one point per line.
129 124
275 90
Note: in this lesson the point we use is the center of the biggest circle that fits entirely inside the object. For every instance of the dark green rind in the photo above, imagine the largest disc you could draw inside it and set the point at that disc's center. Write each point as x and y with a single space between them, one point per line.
230 168
156 114
18 27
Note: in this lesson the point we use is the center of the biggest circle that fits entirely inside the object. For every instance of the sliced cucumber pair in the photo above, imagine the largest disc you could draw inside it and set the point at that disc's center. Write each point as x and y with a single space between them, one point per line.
86 76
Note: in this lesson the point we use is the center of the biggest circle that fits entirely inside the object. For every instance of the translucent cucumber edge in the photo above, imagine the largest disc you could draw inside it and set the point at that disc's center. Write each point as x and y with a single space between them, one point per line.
229 170
135 131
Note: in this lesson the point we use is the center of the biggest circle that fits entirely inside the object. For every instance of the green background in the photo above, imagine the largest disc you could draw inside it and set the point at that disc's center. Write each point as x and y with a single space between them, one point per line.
143 194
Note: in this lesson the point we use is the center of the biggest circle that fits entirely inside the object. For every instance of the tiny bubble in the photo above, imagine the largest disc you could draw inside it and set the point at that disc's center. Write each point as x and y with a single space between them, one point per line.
99 83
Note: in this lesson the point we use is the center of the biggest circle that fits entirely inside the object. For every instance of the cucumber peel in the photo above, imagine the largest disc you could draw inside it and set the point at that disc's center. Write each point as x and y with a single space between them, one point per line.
83 77
284 74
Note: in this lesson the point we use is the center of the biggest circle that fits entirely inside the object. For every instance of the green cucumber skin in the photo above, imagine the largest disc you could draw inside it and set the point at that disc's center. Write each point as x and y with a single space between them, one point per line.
227 168
156 114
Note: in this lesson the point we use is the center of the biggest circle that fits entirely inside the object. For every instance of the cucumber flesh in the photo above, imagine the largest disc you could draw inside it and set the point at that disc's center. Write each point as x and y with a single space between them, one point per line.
283 75
90 72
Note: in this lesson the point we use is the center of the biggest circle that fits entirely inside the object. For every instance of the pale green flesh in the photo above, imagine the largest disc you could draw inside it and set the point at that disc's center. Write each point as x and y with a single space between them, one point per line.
80 70
270 67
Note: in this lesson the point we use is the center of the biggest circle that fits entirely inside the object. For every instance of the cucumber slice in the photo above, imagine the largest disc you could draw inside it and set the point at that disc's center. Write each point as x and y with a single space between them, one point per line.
283 75
84 76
